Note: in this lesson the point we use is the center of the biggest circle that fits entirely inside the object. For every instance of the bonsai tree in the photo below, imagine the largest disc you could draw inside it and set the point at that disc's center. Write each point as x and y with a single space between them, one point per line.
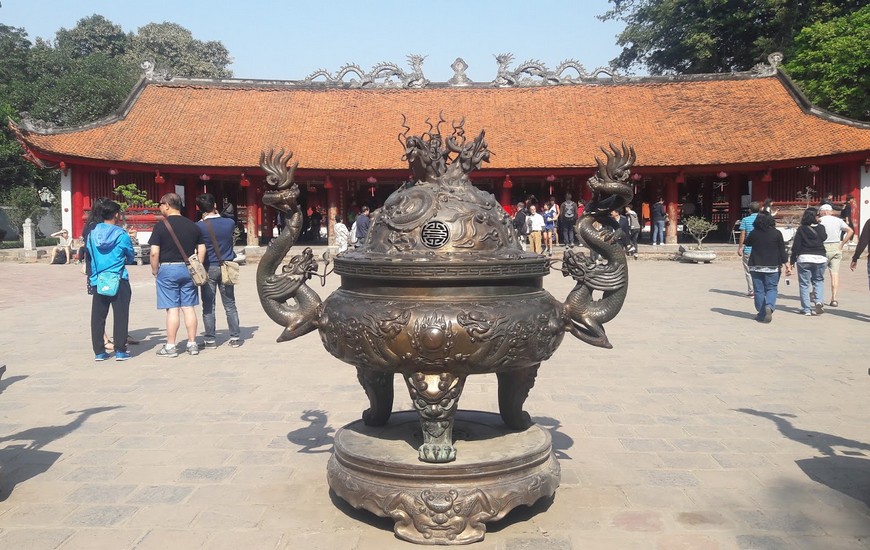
699 228
133 197
806 195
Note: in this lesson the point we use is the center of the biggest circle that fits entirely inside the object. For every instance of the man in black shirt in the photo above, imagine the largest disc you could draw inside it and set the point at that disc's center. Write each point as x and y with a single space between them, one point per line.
217 230
362 226
176 292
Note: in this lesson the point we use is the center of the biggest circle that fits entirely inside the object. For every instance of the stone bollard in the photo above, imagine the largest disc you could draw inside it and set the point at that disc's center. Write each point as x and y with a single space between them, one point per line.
28 235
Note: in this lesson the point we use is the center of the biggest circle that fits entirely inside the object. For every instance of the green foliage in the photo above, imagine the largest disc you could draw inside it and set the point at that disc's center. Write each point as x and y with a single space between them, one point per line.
173 48
712 36
699 228
94 34
831 63
20 244
133 197
22 202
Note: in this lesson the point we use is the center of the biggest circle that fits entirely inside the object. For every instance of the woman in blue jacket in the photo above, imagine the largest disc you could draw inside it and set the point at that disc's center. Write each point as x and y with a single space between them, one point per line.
110 249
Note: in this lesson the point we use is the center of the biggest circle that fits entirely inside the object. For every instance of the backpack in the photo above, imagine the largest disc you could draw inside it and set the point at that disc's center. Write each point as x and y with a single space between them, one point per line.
569 210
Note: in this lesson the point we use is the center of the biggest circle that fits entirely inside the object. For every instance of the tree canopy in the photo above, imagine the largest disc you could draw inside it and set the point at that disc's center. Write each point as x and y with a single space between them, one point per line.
831 60
84 74
716 36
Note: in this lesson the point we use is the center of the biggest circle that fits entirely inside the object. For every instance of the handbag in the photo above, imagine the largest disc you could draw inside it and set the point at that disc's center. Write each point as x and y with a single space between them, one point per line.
107 283
229 268
198 274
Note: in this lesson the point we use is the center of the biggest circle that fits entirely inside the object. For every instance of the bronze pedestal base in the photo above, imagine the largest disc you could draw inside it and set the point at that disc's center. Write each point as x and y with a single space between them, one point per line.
376 468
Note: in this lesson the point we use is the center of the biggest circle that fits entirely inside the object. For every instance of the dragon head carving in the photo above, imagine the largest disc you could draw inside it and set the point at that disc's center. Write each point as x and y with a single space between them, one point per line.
282 192
610 187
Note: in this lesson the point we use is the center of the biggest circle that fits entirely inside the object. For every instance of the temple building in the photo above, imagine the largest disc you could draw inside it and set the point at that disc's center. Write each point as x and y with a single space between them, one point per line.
707 144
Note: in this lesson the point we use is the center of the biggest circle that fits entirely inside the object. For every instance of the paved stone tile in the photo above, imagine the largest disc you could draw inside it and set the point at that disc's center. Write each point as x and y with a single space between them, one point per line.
103 539
728 449
100 516
100 493
18 539
161 494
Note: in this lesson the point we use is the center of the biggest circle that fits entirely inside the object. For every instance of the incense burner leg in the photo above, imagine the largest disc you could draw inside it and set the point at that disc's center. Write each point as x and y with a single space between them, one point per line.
435 398
513 389
379 389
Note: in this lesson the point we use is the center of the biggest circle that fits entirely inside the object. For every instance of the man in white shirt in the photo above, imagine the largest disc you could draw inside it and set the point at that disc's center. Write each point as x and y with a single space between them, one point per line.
536 224
834 227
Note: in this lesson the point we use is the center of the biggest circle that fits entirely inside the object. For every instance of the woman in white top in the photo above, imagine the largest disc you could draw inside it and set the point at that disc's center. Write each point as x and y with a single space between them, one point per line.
342 233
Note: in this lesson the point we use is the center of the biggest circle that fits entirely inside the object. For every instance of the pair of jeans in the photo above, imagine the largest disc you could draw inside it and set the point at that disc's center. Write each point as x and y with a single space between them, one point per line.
568 237
120 303
228 298
658 232
635 233
765 286
811 274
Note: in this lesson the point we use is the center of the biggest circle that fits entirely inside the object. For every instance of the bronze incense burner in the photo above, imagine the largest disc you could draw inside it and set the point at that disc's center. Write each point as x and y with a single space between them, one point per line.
440 289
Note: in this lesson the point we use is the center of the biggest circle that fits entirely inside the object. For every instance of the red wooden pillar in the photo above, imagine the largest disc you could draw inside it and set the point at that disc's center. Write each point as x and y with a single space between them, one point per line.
253 214
671 203
734 193
81 199
852 183
191 190
506 198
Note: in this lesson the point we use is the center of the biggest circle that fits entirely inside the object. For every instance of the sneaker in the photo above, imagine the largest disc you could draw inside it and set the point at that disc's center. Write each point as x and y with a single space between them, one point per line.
192 348
168 352
101 356
819 308
768 314
808 314
121 356
235 342
210 344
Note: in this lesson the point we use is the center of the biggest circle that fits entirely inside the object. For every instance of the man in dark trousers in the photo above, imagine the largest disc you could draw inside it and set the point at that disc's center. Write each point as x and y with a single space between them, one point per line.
520 224
176 292
567 219
217 231
362 226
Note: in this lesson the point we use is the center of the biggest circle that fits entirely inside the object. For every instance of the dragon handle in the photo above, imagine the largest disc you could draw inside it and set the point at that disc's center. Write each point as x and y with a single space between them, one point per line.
284 295
584 313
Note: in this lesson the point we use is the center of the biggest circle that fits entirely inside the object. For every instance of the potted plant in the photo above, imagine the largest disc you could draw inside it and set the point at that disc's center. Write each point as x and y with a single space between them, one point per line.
698 228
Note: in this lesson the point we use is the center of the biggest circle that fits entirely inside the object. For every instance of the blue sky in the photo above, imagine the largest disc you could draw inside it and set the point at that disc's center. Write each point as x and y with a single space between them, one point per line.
289 40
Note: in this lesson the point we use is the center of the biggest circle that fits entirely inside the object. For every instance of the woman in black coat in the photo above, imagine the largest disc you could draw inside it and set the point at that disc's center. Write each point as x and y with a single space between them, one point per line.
808 252
765 264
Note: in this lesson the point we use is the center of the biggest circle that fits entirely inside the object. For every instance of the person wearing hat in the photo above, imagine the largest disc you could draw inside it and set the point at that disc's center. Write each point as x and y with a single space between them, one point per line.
839 233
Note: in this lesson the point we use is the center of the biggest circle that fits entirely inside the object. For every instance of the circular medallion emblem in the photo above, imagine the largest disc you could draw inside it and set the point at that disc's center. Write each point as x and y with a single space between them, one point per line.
435 234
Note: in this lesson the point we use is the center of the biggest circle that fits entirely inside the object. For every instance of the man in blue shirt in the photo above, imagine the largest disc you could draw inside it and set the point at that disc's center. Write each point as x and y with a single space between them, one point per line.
217 230
362 226
747 224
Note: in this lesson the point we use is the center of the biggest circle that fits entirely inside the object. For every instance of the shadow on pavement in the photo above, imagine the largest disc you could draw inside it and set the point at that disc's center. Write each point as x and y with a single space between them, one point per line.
561 442
9 380
316 437
847 471
733 313
25 459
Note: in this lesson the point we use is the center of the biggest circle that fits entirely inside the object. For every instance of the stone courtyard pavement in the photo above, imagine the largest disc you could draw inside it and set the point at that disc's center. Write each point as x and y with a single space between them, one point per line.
700 429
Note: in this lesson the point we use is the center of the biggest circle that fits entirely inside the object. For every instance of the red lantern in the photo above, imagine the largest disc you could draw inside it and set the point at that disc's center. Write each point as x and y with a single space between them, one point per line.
158 179
723 174
205 177
508 184
372 179
244 182
636 176
328 183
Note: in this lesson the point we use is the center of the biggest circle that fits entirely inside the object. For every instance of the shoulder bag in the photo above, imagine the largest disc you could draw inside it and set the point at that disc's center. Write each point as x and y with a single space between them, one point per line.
107 281
197 272
229 268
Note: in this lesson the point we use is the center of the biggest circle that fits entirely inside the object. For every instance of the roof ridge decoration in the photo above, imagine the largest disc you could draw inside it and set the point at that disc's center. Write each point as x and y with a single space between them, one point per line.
770 68
540 75
527 73
149 70
380 76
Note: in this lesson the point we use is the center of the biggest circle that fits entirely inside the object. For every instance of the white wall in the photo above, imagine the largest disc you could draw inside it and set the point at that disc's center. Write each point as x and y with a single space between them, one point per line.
66 209
864 199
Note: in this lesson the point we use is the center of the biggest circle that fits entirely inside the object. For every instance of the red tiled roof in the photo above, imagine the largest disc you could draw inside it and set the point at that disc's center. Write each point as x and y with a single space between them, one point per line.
705 121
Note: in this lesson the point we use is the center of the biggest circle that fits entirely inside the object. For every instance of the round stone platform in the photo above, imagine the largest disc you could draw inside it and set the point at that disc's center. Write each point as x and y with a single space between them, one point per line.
496 470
